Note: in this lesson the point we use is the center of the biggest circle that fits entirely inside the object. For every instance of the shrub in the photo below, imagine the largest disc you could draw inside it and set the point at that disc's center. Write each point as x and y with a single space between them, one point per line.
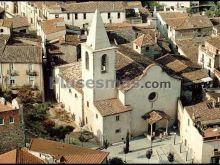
48 124
25 94
116 160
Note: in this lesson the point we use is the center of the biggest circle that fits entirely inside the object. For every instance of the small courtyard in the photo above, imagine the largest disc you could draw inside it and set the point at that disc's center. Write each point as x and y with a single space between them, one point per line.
161 149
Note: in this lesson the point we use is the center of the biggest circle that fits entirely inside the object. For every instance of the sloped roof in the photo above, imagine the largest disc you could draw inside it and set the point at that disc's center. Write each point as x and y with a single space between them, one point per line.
144 39
19 21
6 23
111 107
70 153
21 54
20 156
214 41
102 6
53 25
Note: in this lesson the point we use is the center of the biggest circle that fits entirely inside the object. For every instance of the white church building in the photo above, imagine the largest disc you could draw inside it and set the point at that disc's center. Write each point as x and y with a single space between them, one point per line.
110 111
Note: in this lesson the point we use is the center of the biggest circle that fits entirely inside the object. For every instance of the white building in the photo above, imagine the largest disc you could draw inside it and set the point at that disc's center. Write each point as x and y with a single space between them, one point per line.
199 130
5 26
110 111
10 8
209 56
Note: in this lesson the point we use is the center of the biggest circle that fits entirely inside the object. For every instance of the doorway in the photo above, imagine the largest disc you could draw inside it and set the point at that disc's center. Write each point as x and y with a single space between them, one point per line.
153 128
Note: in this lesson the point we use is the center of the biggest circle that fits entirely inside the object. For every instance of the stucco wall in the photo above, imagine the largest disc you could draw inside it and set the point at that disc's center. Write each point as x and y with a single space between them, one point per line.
23 78
137 98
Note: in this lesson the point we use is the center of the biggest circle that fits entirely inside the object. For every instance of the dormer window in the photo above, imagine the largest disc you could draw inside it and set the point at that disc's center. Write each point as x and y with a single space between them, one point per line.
103 63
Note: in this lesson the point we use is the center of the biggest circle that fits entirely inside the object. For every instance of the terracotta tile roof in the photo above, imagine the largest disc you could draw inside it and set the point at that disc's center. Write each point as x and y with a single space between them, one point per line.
72 40
155 116
113 26
191 22
7 107
190 48
214 41
6 23
168 58
177 66
171 15
179 20
130 66
19 21
53 25
72 73
196 75
20 156
204 111
21 54
144 39
111 107
72 153
194 22
102 6
211 132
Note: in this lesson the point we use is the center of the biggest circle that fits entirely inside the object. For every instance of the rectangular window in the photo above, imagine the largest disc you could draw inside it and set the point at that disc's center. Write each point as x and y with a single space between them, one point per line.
118 130
76 16
1 121
188 122
119 15
11 66
31 20
209 63
202 59
30 67
97 116
68 16
31 80
12 82
11 120
87 104
84 15
117 118
109 15
70 91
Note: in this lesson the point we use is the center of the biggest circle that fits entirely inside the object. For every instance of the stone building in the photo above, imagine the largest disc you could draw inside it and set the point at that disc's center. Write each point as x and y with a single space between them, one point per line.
110 111
178 25
12 133
21 62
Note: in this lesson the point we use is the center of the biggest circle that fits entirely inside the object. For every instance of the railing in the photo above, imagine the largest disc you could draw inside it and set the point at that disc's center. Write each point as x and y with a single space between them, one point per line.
31 72
12 72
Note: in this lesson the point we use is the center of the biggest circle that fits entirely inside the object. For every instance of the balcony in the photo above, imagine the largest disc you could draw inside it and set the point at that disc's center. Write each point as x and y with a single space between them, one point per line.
12 72
31 72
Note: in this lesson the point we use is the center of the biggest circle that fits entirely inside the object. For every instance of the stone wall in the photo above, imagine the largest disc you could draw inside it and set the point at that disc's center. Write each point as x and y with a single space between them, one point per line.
11 134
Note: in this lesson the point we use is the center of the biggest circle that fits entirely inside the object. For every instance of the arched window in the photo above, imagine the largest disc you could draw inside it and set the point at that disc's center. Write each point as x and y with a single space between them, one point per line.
87 60
103 63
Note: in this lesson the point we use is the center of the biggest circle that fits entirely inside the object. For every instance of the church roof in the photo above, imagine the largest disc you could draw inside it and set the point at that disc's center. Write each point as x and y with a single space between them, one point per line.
72 73
97 37
111 107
